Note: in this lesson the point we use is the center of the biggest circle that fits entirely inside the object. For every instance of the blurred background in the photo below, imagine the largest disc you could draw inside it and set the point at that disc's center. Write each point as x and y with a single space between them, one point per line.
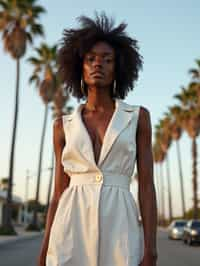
31 97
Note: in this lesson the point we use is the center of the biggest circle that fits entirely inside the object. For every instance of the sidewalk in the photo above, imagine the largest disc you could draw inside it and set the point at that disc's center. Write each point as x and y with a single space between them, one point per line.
21 235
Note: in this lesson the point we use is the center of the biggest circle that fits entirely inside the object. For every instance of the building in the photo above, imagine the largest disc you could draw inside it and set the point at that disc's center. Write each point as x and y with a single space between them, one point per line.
17 207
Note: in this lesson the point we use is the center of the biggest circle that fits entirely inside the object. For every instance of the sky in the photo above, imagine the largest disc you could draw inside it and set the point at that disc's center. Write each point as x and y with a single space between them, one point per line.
168 37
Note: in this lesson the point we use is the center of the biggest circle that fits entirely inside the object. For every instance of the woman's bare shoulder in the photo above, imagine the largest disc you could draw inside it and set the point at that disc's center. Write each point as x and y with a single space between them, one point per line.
144 111
144 122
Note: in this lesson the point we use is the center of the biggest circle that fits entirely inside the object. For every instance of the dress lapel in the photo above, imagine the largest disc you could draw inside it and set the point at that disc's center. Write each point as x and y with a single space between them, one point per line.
120 120
83 141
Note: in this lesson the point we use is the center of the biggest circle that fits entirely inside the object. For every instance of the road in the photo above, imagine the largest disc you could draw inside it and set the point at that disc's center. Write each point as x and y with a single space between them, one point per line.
20 253
176 253
171 252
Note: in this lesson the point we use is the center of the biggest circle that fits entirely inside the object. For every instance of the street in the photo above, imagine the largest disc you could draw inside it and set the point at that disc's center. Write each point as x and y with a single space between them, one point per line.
176 253
20 253
171 252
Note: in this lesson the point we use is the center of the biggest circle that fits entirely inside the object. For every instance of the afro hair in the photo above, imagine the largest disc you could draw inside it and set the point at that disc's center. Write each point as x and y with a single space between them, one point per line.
75 43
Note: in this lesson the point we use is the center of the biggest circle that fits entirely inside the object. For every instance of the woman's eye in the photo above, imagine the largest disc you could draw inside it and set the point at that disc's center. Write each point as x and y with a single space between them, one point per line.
90 58
108 60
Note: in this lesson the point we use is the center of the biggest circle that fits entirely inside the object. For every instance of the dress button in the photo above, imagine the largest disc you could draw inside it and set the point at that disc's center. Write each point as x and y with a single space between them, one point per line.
99 178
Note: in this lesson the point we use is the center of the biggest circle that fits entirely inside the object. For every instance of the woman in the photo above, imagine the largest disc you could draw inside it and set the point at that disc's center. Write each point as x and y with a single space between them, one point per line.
93 218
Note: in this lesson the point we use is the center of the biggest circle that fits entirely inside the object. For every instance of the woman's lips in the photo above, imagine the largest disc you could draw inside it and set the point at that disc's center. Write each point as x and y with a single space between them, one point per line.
97 74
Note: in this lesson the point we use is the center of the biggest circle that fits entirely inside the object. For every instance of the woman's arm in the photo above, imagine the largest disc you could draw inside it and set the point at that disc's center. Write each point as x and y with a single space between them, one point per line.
61 183
146 190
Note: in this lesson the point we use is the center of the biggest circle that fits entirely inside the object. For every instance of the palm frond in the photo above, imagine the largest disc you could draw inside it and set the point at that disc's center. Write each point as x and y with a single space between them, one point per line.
194 73
198 62
34 61
37 10
29 37
37 29
34 78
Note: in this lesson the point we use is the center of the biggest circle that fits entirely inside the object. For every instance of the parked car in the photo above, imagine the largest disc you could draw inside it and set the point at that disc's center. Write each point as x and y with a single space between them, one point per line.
191 232
175 229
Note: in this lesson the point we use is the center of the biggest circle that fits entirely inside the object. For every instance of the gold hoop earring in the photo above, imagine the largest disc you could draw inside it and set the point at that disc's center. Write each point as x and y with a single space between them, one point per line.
114 87
83 87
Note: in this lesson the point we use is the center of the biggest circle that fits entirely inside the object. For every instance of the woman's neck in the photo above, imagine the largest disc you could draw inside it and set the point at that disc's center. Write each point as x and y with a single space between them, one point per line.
99 99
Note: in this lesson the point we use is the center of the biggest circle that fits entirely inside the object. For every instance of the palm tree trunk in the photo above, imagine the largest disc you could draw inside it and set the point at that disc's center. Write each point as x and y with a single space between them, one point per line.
194 178
162 194
157 188
7 217
181 178
35 222
50 181
169 187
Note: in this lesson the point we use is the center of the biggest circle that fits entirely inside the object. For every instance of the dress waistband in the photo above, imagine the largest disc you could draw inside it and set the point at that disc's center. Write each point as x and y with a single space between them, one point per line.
106 179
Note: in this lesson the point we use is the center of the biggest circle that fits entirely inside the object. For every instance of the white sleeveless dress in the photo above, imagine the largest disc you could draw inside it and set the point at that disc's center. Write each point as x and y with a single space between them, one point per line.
96 222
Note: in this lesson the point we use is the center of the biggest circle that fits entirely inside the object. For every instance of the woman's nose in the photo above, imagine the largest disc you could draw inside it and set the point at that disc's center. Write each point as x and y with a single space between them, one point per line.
98 61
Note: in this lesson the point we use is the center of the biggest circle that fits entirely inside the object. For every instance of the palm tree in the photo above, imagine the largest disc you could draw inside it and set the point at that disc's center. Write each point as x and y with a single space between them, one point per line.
44 77
19 24
59 101
164 137
176 132
157 182
196 72
159 156
162 185
50 183
191 123
190 117
4 183
195 84
158 188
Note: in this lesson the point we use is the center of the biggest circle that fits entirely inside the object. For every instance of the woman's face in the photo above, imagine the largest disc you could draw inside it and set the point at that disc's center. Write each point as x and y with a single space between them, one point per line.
99 65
